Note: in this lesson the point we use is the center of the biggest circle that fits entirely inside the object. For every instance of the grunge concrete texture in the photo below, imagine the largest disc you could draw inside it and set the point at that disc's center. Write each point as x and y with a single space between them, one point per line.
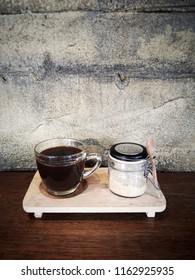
102 73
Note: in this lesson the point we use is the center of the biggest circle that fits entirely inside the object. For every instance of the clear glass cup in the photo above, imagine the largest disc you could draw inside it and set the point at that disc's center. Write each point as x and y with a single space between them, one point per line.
61 164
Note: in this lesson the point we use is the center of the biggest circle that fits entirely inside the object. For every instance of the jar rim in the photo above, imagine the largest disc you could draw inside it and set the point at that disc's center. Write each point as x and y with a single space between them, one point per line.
128 151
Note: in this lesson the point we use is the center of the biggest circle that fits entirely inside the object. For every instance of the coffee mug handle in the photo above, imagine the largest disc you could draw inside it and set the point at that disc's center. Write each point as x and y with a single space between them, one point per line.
92 156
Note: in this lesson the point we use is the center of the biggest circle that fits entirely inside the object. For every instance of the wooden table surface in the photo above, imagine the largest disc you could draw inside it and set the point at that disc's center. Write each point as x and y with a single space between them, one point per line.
170 235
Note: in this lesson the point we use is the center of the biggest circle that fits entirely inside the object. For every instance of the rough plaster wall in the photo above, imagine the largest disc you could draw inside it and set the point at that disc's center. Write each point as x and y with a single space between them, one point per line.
99 76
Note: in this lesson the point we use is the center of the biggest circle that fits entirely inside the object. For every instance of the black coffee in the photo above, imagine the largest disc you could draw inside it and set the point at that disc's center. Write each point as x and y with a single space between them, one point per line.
60 177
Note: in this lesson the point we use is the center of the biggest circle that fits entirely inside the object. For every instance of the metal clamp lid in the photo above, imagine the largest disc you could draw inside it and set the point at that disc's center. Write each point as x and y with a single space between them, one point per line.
128 151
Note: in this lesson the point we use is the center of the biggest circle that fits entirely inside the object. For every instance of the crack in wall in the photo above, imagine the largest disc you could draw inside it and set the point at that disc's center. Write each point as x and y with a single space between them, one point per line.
169 101
48 120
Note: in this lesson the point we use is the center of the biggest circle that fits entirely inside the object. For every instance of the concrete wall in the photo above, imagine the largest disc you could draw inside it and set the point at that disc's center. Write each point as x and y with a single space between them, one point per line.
99 71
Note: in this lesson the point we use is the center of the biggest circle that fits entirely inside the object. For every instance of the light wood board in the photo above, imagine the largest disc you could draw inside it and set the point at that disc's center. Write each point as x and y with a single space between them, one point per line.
93 196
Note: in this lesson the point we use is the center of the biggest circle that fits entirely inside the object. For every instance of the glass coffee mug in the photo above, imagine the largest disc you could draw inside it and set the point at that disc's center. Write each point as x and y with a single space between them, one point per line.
61 164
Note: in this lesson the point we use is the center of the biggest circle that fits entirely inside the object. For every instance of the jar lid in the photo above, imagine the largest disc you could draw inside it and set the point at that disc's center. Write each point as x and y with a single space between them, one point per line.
128 151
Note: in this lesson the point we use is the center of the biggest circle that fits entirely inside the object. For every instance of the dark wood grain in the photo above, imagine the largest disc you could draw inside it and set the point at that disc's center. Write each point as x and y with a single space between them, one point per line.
170 235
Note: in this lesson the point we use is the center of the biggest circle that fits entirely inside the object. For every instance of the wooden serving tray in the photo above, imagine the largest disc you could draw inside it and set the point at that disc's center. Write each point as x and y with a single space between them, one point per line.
93 196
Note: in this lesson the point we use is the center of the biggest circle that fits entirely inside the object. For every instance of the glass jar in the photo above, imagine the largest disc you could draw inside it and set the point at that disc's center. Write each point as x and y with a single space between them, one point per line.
127 169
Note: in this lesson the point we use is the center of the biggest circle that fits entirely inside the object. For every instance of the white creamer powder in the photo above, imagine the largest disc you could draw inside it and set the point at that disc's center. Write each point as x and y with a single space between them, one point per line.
128 184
